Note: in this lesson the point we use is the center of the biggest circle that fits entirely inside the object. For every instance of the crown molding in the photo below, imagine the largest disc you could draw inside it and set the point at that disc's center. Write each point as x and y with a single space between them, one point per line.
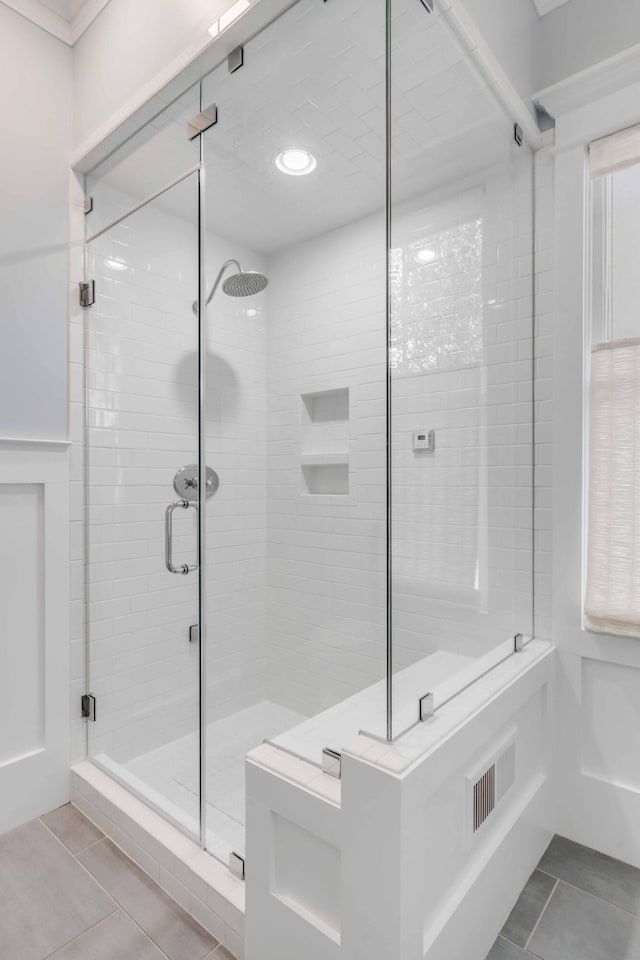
53 23
584 88
85 17
546 6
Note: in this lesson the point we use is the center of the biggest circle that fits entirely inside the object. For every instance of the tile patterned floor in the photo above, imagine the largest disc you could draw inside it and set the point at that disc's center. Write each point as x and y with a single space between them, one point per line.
67 893
577 905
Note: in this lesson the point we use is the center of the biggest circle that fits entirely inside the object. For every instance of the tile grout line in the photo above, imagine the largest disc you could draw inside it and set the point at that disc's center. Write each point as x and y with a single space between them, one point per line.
594 896
544 909
118 905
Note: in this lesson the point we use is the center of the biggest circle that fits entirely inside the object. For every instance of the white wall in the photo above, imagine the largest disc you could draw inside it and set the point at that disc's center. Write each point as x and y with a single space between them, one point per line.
511 28
35 75
581 33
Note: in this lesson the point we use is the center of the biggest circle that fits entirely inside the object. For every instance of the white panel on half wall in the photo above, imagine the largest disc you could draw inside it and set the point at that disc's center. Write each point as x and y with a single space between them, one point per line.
21 626
611 715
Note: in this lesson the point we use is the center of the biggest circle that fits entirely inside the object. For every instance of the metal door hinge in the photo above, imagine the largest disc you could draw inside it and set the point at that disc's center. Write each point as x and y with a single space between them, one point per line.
89 707
518 136
88 205
235 60
87 293
236 865
332 762
202 121
518 643
425 706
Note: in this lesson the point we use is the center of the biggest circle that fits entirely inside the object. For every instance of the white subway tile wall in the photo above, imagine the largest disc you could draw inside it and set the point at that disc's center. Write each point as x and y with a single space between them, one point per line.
462 367
326 571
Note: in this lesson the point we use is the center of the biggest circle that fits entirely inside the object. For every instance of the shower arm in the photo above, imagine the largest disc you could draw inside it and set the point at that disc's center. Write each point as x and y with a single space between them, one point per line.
224 266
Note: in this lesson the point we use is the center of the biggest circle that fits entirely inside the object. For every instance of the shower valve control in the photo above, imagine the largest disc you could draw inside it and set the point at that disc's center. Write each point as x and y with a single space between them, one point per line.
424 440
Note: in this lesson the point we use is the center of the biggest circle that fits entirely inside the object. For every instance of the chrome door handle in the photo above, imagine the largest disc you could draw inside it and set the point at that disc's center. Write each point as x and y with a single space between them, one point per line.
182 568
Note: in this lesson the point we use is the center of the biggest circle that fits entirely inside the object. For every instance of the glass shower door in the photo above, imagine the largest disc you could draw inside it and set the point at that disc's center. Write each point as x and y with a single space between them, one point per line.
142 493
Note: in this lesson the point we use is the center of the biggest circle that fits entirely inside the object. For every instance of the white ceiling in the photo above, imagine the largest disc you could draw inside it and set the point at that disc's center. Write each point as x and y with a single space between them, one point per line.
65 19
315 79
546 6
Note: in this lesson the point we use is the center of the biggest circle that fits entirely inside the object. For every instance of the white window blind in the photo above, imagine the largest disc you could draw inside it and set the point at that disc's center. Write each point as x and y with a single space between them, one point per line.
615 152
613 567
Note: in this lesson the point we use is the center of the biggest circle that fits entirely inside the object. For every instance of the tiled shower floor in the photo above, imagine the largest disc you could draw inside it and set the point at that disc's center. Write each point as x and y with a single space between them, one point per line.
171 771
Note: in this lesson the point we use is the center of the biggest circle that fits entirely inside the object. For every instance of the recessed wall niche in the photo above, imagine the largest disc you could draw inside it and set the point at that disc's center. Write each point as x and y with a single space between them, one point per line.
324 449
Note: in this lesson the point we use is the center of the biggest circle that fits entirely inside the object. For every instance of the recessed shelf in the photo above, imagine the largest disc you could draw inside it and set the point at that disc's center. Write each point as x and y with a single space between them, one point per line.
325 438
326 478
327 406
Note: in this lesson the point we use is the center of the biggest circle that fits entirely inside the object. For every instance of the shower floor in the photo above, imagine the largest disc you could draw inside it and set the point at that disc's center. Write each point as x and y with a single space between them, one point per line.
168 776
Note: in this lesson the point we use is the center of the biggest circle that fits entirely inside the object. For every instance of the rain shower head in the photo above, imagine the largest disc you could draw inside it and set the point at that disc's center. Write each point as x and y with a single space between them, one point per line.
244 284
240 284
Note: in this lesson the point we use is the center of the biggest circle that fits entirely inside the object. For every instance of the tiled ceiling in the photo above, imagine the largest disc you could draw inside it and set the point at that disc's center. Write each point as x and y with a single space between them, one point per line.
315 79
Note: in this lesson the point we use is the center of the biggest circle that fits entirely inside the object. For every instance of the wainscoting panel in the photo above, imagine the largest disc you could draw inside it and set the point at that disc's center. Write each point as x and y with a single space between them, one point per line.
34 618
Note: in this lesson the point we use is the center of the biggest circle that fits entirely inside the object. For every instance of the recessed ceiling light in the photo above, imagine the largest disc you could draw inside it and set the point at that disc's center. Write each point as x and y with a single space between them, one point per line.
296 162
115 264
425 256
251 312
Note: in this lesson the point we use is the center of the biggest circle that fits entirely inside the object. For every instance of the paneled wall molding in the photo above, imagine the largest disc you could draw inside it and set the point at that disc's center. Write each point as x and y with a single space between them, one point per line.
34 630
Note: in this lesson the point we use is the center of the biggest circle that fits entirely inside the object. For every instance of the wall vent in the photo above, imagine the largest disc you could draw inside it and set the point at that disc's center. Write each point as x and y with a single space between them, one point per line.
489 787
484 797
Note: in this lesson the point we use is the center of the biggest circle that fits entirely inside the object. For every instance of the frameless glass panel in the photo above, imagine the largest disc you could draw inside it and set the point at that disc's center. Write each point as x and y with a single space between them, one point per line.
141 429
147 162
461 367
296 384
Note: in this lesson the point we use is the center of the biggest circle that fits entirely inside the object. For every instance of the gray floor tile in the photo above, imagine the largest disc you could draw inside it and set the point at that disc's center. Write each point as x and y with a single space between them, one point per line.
46 898
168 925
503 950
527 910
72 828
594 872
221 953
115 938
577 926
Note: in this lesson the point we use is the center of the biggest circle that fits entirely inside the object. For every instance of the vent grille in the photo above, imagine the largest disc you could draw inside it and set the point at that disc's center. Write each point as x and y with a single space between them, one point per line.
492 786
484 797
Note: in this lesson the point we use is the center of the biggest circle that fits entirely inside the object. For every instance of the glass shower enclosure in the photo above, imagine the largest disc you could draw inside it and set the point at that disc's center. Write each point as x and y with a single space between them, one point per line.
313 278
